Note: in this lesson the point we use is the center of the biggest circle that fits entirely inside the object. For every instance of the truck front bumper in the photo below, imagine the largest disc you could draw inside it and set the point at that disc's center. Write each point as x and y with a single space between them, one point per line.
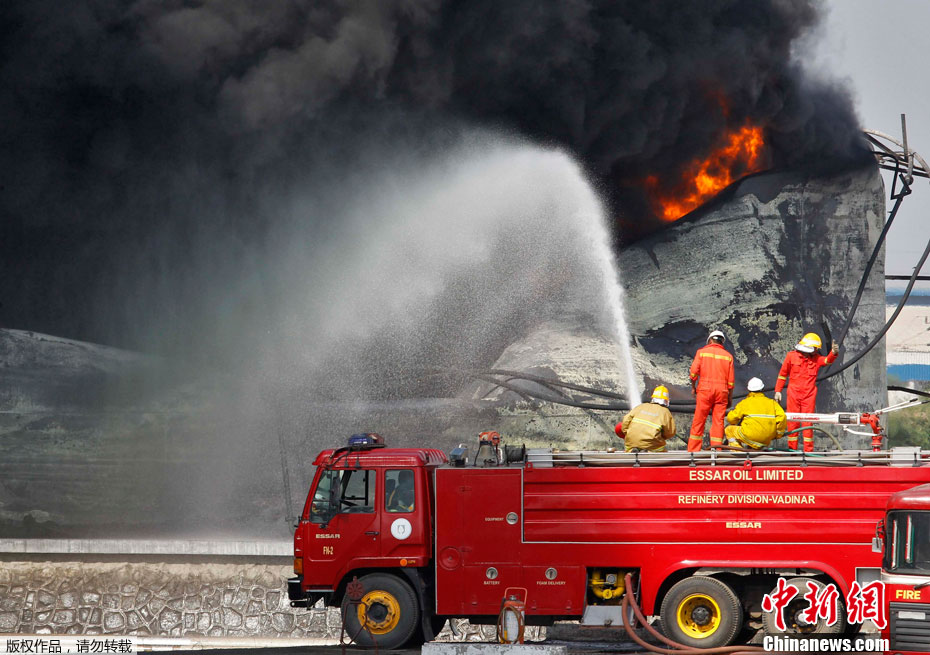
294 592
301 598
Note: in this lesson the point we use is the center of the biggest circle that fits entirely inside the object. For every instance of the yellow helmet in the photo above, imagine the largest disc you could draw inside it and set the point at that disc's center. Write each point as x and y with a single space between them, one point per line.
809 343
660 395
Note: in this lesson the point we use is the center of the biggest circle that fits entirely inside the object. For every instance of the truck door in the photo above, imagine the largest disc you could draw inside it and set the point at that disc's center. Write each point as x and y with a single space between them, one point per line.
402 525
352 533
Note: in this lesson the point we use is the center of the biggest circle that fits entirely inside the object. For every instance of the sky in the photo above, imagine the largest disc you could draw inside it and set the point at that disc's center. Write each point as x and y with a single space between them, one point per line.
879 49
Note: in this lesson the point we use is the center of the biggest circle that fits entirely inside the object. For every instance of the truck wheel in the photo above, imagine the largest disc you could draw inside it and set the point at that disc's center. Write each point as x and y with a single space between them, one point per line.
701 612
387 615
794 625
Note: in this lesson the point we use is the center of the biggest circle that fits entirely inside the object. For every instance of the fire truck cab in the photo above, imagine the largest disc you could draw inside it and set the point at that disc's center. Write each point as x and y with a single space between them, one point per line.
905 543
704 536
368 516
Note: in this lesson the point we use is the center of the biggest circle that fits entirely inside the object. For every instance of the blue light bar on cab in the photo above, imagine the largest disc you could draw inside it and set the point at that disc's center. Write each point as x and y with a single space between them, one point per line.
360 440
366 439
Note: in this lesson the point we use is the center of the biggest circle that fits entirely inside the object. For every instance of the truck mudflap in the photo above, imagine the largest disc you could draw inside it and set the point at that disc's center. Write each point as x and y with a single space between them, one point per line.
430 624
301 598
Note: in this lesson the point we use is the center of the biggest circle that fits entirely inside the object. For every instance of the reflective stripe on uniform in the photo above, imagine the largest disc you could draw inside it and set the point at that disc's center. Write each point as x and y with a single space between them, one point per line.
745 439
636 419
715 356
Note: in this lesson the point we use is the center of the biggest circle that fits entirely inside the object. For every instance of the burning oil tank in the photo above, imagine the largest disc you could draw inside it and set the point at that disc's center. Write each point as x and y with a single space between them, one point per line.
780 255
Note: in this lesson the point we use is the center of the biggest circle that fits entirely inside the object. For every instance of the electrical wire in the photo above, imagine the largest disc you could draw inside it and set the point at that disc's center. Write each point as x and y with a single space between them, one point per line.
889 322
898 198
916 392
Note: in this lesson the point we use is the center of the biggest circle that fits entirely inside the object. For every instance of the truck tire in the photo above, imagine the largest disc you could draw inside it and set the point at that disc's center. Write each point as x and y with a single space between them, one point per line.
387 615
701 612
795 627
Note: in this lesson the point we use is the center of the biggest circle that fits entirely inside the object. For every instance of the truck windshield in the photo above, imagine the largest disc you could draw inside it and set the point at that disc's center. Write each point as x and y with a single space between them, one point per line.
907 542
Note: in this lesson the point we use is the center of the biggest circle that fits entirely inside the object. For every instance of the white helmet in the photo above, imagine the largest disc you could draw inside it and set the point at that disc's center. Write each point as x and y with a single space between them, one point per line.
755 384
716 333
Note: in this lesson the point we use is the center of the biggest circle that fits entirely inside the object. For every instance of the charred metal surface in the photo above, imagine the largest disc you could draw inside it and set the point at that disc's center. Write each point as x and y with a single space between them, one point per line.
783 256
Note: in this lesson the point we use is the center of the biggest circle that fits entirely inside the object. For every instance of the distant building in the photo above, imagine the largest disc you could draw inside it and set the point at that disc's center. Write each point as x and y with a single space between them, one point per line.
908 341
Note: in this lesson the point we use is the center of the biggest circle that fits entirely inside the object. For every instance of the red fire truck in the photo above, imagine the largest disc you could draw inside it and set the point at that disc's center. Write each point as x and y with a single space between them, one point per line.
905 540
705 535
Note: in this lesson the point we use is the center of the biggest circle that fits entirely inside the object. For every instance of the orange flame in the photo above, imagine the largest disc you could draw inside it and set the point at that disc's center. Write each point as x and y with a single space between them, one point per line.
740 154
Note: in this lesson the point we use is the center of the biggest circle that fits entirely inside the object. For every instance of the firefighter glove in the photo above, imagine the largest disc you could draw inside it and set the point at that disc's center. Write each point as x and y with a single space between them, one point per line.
778 397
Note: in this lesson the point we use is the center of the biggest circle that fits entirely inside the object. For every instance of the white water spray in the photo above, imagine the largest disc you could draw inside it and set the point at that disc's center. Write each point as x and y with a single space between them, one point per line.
603 257
486 241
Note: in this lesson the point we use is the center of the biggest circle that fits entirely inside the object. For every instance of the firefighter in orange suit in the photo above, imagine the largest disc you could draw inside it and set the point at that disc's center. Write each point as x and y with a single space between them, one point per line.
801 366
712 384
648 425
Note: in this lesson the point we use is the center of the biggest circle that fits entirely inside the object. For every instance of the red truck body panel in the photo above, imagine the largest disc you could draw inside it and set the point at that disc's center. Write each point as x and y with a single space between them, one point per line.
658 520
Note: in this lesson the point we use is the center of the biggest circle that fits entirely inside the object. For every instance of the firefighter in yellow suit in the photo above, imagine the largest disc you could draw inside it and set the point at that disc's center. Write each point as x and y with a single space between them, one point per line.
648 425
756 420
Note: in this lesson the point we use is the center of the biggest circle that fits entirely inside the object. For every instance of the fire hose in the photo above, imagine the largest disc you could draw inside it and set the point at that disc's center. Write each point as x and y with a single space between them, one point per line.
629 602
836 442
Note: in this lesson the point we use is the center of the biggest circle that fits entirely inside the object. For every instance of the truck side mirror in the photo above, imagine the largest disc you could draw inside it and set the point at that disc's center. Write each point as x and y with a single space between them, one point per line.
878 541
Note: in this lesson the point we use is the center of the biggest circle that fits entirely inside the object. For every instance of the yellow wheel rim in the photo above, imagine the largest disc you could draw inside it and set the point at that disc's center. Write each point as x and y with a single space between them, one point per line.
379 612
699 616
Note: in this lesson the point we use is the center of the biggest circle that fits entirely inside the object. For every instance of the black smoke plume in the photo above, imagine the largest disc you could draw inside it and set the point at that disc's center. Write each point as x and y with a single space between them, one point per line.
161 140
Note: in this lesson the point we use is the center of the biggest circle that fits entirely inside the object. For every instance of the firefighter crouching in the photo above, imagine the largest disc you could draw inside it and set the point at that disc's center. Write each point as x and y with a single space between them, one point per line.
756 420
799 372
712 384
648 425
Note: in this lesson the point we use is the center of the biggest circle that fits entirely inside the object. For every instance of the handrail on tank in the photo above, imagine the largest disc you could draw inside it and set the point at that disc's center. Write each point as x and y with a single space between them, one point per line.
544 457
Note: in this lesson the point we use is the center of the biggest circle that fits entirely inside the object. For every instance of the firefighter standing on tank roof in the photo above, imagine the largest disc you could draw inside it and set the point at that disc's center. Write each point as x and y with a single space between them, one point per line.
801 367
648 425
712 384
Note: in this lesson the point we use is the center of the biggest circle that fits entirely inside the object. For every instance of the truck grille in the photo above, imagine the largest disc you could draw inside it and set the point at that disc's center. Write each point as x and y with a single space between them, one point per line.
909 633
